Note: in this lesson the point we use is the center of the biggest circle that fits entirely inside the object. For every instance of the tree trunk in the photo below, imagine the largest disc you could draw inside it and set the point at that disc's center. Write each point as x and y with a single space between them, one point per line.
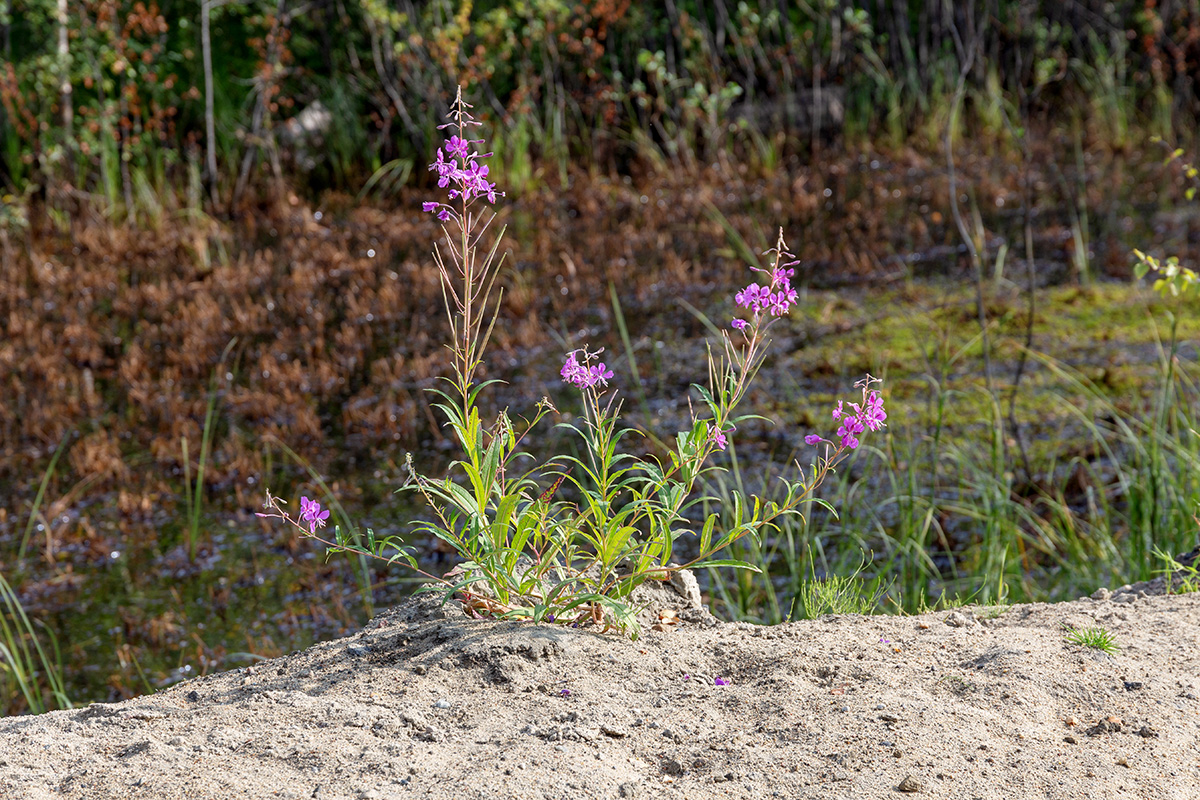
64 86
210 126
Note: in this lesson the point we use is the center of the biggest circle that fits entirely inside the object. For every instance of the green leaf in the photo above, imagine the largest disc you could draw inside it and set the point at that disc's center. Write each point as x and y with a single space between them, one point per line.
707 532
502 520
728 562
614 543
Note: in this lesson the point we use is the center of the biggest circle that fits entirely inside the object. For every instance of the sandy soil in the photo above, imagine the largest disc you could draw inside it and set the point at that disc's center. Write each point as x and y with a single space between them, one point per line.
425 703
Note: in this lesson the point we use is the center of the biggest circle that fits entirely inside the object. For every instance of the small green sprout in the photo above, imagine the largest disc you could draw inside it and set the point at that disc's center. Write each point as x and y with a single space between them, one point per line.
1095 638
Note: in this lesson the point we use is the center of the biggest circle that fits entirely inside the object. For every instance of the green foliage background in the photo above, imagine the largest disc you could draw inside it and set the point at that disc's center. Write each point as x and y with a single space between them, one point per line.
609 81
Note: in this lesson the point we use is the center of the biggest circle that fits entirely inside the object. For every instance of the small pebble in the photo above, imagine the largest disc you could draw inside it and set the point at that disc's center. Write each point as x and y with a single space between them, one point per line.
958 620
910 784
442 703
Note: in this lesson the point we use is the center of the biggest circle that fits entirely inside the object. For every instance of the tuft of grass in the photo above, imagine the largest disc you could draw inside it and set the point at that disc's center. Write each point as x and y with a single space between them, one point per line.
1096 638
1179 578
47 476
30 676
194 493
838 594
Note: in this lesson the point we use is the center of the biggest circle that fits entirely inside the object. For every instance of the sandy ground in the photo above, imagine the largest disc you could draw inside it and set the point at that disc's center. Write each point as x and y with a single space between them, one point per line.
425 703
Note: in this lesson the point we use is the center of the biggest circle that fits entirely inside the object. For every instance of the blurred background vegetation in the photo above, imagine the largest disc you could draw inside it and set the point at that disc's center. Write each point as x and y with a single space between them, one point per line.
215 278
112 102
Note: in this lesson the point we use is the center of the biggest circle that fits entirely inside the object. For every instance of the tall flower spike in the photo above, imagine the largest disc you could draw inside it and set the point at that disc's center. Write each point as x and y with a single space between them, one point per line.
459 169
775 299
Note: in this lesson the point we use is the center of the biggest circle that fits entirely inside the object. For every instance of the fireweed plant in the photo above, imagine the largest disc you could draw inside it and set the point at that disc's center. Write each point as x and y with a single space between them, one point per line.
528 554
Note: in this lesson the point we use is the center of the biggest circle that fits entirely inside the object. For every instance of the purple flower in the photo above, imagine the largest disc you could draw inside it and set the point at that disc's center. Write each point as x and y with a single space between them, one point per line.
739 324
443 214
585 375
687 677
456 146
599 374
429 206
776 299
782 300
867 416
460 170
720 682
571 368
849 430
874 415
445 169
565 693
717 436
310 512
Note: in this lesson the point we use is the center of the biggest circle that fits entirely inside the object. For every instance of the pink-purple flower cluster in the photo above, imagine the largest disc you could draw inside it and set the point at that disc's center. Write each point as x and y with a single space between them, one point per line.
458 164
310 512
775 299
861 417
585 375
